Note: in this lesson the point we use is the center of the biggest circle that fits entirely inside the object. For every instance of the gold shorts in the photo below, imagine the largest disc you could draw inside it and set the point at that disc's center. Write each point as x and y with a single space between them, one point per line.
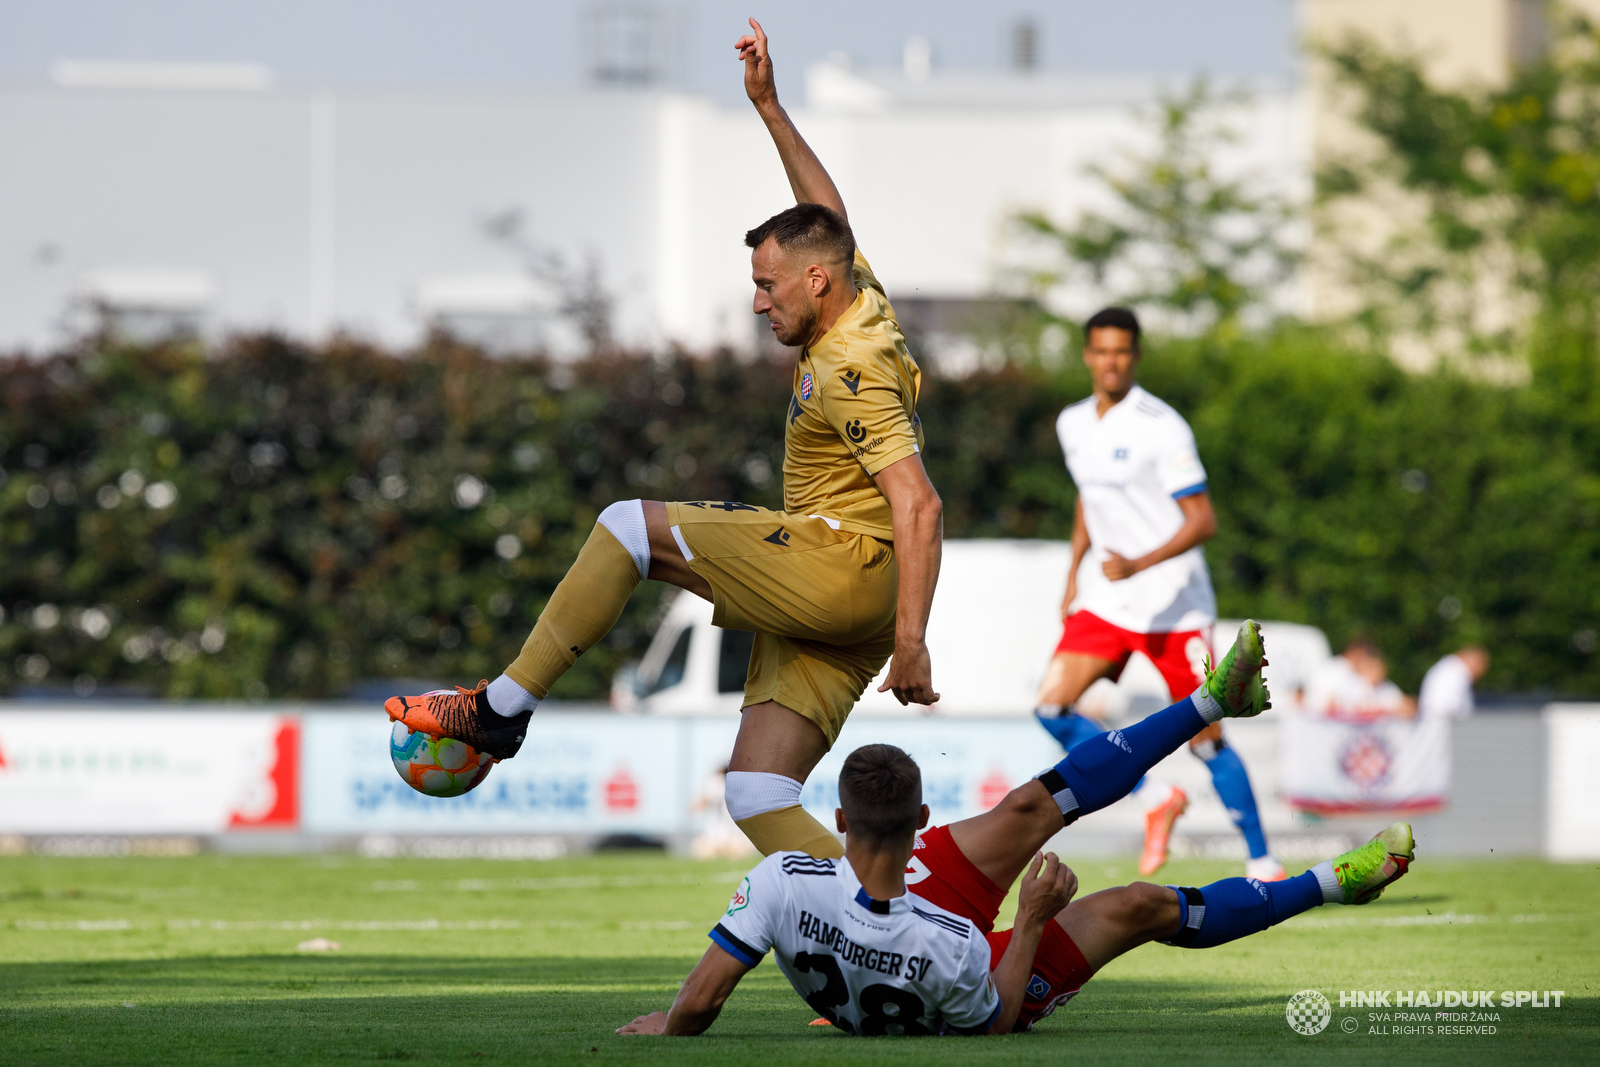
821 601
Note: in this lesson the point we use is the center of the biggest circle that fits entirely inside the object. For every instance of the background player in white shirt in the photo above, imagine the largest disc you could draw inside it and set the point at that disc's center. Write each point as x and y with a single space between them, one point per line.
1138 580
1354 686
886 940
1447 687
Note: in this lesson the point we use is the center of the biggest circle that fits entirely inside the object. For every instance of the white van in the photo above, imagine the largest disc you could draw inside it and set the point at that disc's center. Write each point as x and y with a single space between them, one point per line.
995 622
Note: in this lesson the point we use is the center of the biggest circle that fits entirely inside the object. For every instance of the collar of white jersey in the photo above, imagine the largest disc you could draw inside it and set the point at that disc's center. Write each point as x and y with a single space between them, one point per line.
858 893
1129 399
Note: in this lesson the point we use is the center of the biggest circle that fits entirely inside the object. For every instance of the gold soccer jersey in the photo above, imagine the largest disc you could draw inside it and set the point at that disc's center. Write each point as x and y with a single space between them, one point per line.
853 413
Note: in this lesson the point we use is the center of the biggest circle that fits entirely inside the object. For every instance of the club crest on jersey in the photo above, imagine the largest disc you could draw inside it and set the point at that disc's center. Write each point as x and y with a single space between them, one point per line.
806 385
1121 453
1038 988
741 897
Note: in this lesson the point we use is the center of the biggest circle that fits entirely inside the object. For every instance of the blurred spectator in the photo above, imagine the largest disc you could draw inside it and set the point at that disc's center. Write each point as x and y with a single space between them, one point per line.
719 836
1354 686
1447 687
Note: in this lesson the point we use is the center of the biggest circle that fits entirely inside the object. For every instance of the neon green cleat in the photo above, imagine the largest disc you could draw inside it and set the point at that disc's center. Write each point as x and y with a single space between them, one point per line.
1235 683
1363 872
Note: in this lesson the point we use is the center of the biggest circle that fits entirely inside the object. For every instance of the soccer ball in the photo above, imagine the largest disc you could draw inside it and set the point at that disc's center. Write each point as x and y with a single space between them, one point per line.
437 766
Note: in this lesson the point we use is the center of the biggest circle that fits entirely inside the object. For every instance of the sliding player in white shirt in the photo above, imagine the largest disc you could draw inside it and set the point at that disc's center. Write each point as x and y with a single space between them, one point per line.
897 937
1138 581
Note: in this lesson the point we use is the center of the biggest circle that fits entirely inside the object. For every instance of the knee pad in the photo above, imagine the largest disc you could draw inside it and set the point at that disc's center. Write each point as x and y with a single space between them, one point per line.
625 520
751 793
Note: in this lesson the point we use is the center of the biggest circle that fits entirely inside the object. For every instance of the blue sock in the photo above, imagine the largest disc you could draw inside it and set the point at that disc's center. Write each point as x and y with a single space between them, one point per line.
1237 907
1232 783
1101 770
1071 729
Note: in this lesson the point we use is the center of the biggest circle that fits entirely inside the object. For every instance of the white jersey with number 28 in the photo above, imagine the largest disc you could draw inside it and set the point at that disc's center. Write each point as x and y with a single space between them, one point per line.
900 966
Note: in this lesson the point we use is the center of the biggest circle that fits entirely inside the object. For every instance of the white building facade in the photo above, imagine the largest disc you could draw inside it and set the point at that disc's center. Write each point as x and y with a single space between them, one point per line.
220 199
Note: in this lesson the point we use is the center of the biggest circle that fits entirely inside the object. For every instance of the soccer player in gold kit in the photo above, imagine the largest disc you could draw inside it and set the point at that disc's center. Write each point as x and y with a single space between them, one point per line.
838 582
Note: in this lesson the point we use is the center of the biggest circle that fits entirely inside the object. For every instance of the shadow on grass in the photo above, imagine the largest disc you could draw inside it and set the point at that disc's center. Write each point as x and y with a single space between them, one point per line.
363 1009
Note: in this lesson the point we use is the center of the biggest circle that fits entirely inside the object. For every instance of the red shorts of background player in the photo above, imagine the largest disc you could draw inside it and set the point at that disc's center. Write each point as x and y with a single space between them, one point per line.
939 873
1179 656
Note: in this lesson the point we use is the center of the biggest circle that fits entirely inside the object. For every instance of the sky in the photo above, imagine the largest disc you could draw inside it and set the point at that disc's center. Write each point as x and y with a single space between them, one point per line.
543 42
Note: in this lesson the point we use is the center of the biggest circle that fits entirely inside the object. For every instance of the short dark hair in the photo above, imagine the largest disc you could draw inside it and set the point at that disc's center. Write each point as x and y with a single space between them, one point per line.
1114 318
808 228
880 790
1363 644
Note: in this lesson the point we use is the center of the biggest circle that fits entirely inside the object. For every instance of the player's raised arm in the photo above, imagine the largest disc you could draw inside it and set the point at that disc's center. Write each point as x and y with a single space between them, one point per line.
807 177
699 1001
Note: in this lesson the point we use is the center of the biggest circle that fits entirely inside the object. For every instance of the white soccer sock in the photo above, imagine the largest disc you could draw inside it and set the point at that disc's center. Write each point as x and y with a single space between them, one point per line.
1331 891
508 698
625 520
751 793
1207 705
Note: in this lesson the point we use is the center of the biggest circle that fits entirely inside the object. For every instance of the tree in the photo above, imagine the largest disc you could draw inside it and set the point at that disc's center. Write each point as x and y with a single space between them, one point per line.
1504 257
1206 250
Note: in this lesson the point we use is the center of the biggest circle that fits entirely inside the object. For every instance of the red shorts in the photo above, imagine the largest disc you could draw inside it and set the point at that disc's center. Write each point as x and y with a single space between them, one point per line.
1180 656
940 874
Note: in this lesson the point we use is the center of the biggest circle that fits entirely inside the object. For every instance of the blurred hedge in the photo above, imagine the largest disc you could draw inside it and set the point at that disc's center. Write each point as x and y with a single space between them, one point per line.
269 520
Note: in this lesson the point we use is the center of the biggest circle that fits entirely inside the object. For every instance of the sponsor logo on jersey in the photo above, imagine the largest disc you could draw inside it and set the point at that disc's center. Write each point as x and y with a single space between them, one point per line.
855 431
806 386
741 897
1121 453
916 870
794 408
852 380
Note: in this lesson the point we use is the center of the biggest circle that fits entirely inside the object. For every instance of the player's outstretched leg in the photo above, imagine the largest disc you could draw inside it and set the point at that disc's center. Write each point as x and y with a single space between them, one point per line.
1232 783
493 718
1102 770
1236 907
1163 802
1104 925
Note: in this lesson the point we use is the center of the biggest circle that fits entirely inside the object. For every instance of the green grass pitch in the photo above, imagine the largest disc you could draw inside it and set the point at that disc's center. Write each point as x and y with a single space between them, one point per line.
194 960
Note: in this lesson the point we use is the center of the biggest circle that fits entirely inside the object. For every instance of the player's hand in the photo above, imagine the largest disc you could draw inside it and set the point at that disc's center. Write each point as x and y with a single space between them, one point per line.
758 83
654 1023
1047 887
911 675
1072 594
1118 567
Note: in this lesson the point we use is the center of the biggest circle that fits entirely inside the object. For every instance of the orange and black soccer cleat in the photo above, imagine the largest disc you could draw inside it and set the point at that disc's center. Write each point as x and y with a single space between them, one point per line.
465 715
1158 831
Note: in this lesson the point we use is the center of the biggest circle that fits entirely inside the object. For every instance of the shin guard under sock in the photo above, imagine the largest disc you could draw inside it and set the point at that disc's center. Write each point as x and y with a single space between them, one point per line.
790 829
1102 770
582 610
1237 907
1232 783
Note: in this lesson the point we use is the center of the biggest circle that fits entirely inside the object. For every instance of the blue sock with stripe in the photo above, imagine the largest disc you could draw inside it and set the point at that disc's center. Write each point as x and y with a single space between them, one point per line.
1232 783
1238 907
1100 771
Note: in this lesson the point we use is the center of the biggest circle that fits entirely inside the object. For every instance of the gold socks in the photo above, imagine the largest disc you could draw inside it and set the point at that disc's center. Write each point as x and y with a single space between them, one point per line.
790 830
582 610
